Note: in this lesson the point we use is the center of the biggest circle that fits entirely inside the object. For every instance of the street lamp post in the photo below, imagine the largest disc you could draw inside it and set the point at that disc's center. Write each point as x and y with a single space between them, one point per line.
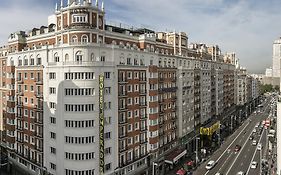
231 125
196 144
240 115
153 167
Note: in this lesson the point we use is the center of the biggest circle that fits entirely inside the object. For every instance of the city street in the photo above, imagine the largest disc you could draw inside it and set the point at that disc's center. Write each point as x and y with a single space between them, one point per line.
231 162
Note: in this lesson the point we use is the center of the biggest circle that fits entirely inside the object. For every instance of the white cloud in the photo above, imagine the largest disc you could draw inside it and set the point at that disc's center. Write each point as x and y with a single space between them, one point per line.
235 26
246 27
22 16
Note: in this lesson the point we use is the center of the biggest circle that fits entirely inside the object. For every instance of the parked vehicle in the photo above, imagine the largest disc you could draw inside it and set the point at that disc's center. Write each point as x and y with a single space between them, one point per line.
210 164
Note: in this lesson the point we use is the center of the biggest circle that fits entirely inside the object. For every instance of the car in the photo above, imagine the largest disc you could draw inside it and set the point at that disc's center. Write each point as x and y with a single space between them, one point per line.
259 147
210 164
251 137
254 131
237 148
240 173
254 142
254 165
218 174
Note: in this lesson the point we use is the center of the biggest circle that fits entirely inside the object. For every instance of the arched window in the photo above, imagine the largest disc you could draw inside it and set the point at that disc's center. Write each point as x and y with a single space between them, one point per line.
74 39
136 62
19 61
25 61
141 62
84 39
56 57
66 58
12 61
79 57
92 57
122 58
31 60
152 48
38 60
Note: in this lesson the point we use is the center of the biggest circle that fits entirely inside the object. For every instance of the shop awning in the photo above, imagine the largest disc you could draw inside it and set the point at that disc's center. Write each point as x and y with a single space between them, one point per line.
189 163
175 156
181 172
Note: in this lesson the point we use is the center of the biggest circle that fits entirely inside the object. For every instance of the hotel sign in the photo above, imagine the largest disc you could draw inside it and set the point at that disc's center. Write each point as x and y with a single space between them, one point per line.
101 122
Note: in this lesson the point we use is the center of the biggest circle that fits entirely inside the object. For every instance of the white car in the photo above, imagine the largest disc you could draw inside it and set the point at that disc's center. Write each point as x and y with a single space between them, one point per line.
254 165
254 142
210 165
259 147
240 173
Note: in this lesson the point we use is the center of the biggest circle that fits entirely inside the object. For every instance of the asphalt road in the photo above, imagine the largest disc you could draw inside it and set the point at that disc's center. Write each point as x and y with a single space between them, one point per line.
230 162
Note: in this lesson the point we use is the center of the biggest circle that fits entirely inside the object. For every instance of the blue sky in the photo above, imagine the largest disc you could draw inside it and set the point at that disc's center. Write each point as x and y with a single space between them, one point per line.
247 27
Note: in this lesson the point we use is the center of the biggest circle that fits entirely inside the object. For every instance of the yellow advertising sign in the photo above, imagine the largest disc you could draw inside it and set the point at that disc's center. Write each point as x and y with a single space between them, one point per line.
101 122
209 131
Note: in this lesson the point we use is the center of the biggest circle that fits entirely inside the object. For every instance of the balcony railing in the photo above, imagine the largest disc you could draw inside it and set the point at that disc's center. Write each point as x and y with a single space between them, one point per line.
39 81
38 134
19 80
20 93
122 121
143 129
122 80
122 135
122 93
38 107
20 104
39 148
38 94
38 120
143 141
122 107
143 116
142 92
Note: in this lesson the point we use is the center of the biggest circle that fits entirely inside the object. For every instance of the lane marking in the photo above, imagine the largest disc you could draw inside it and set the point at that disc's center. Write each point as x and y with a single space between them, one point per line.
251 116
226 161
230 145
237 155
254 154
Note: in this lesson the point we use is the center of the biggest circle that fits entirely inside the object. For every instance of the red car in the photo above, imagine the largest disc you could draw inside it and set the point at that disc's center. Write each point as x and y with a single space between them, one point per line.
237 148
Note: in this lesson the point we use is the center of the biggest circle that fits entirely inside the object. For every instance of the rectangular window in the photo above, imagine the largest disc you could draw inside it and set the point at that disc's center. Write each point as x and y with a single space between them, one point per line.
107 75
53 166
53 150
53 135
107 135
52 90
52 105
52 75
107 166
102 58
53 120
